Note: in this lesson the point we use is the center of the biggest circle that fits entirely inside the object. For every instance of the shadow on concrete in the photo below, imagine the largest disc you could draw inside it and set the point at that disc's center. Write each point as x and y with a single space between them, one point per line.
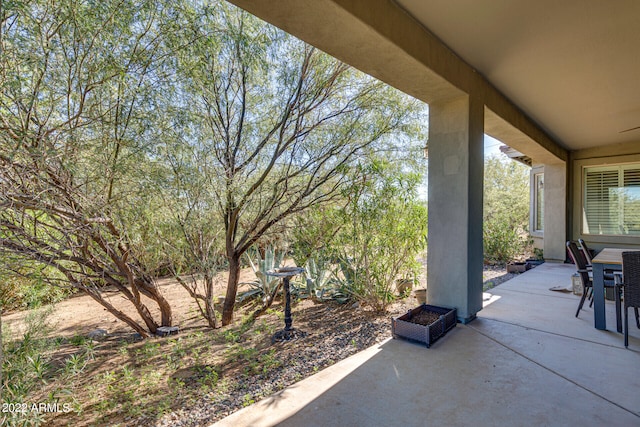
525 361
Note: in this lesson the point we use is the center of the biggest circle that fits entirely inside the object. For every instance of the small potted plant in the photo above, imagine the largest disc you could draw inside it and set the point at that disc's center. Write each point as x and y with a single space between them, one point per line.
404 285
421 295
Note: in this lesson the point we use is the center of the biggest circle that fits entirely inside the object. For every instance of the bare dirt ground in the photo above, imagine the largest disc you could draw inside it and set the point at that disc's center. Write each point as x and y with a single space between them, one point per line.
199 375
80 314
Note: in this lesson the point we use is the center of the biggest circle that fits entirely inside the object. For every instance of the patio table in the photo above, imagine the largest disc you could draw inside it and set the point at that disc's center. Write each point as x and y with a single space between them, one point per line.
607 259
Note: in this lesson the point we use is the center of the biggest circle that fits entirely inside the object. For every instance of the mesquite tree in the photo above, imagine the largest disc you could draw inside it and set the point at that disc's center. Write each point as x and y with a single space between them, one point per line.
194 245
278 123
74 89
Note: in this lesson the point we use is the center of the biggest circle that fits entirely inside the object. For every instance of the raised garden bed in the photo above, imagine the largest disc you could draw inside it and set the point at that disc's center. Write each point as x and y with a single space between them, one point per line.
424 324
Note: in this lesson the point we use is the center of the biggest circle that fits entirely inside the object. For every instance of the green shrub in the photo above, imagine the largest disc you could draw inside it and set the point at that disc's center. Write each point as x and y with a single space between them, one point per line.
22 293
506 209
384 231
26 367
502 241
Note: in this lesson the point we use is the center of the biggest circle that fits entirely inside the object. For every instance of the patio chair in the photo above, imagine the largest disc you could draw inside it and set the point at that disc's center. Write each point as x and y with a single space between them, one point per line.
588 254
631 289
587 282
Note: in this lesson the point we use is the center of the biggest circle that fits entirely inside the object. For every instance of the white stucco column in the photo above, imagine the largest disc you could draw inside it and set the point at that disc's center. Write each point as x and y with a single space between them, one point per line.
456 170
555 211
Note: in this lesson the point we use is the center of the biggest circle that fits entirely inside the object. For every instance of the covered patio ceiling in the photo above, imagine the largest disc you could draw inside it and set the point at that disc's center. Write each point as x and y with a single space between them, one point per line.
572 66
562 74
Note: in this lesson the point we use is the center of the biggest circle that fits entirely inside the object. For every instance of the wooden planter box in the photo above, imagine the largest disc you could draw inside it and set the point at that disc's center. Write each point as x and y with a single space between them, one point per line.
403 327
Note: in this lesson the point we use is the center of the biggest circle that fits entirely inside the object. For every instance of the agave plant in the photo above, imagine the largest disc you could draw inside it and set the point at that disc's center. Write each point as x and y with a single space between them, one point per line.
263 286
318 277
345 279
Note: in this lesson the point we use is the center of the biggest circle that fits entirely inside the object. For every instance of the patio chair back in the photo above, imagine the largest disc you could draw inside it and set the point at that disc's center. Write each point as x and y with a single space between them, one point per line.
580 262
587 254
585 251
631 275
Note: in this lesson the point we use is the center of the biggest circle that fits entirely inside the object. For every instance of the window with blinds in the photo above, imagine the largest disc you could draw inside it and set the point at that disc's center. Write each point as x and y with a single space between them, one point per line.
539 202
612 200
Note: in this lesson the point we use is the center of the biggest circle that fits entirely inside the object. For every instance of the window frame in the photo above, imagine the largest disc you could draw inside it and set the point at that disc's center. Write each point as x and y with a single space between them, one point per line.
538 202
620 169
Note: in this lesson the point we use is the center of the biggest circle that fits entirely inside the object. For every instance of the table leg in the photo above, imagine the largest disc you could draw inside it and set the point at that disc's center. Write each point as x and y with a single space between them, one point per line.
599 316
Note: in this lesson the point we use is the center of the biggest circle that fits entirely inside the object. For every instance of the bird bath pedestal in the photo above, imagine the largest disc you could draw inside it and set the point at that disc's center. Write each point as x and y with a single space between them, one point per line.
288 332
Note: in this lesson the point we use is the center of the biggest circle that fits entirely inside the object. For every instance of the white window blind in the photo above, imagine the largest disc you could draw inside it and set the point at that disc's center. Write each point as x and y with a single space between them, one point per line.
612 200
539 202
631 203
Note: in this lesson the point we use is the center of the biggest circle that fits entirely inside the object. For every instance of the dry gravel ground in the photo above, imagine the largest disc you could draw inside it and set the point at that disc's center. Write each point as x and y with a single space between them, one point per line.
200 375
493 275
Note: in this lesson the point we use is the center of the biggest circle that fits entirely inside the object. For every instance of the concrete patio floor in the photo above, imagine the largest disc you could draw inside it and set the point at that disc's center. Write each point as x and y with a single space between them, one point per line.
525 361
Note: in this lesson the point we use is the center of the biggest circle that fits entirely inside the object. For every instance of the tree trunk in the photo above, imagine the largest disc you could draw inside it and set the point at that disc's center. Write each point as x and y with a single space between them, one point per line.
150 289
208 303
232 289
146 315
165 311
